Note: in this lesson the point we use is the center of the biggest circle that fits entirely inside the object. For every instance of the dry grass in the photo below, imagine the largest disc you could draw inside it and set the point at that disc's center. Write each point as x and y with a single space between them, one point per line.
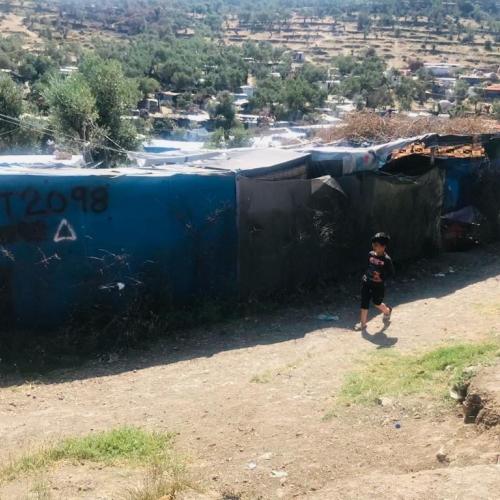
165 479
370 127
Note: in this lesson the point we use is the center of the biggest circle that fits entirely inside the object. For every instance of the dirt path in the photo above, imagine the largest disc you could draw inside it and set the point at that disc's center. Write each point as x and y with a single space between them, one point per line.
256 391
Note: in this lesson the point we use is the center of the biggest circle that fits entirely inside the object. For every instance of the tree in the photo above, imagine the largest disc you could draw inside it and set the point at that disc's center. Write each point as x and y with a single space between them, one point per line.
224 112
364 22
239 137
11 105
89 107
367 78
148 86
114 96
16 134
461 90
73 109
405 92
345 64
5 61
488 45
236 137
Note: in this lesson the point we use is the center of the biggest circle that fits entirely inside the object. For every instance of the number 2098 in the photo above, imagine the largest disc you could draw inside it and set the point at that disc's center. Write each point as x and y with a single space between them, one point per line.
95 200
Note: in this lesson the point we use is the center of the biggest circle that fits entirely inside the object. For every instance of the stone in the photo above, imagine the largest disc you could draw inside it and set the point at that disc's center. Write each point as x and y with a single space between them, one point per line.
279 473
385 401
442 456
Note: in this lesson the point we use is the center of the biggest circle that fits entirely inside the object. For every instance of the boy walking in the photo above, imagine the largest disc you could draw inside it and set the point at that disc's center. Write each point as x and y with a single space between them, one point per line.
380 268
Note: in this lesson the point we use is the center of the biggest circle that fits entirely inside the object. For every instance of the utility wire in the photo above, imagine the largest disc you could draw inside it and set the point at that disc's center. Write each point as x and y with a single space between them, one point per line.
37 127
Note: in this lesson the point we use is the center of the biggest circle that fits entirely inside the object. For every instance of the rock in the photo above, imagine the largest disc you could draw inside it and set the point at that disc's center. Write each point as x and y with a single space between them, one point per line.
385 401
442 456
251 465
266 456
279 473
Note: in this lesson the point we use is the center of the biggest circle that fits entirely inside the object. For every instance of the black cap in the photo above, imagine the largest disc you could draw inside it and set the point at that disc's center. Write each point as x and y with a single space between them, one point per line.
382 238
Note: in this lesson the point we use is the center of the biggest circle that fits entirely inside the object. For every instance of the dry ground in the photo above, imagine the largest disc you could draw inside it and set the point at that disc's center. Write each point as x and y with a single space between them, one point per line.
256 391
12 24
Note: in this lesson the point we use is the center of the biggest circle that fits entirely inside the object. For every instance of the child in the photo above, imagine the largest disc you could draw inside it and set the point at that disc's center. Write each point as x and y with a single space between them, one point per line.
380 268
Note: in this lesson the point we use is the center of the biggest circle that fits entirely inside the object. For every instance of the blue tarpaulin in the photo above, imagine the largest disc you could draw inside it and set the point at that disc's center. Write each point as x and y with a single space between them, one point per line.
71 239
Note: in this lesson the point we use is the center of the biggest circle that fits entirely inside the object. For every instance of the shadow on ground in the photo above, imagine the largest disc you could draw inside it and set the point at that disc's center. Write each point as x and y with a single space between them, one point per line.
418 281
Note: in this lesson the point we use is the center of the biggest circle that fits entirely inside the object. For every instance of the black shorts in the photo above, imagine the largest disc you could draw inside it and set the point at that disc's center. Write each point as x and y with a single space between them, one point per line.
371 291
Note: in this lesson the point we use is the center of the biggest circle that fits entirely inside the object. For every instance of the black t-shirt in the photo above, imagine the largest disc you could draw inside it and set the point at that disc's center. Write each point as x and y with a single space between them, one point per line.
379 268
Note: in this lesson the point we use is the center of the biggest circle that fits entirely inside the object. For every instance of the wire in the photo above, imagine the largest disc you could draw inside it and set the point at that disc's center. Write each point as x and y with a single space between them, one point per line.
8 132
37 127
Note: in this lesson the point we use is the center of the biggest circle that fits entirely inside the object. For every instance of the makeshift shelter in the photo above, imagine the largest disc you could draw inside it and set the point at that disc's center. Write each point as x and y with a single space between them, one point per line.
77 242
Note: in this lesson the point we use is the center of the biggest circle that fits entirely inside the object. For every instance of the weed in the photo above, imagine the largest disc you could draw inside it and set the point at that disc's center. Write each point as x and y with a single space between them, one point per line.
165 479
262 378
40 490
394 374
125 444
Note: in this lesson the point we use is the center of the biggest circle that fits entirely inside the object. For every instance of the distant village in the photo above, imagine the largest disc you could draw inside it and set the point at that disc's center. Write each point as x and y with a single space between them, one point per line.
195 124
177 127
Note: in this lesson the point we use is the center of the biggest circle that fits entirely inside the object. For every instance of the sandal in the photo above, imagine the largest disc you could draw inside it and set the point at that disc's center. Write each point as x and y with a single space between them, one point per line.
358 327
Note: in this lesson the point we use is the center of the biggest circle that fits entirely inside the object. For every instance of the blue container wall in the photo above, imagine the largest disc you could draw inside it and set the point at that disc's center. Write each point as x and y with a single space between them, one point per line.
72 243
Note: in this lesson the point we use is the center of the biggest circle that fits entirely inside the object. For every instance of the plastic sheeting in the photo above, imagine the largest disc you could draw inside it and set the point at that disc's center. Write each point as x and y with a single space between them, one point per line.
409 209
466 215
462 175
77 243
290 233
298 232
338 161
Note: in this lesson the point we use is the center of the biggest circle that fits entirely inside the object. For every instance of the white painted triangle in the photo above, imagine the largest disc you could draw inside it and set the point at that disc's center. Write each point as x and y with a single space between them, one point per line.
65 232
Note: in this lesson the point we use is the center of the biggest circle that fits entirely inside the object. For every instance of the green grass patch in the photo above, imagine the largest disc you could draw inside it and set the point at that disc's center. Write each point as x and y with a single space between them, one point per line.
122 445
389 373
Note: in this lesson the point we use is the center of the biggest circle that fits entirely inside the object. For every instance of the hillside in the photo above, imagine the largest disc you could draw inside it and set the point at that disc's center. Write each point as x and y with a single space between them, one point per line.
397 32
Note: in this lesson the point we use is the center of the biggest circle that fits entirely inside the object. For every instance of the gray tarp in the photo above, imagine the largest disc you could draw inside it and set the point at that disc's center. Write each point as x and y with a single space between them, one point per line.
409 209
289 231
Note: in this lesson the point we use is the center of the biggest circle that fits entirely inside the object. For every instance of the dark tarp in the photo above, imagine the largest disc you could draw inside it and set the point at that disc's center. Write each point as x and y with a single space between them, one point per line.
290 233
408 208
299 232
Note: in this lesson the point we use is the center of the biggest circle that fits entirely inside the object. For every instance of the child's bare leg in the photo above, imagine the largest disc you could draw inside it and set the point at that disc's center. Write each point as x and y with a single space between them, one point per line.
363 317
384 309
